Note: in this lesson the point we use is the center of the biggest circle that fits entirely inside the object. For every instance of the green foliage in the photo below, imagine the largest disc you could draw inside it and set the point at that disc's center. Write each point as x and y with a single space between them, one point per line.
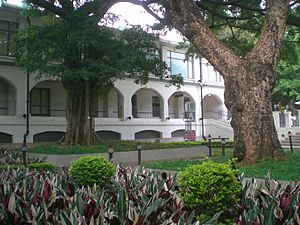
286 168
282 169
135 196
88 51
55 149
41 166
209 188
287 86
118 146
34 166
179 165
269 202
90 170
16 157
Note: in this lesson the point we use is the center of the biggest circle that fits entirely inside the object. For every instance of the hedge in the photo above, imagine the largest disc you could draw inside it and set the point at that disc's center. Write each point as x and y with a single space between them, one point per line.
35 166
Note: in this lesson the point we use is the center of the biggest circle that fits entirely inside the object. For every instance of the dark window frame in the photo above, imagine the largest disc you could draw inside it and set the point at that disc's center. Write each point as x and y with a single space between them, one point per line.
9 33
155 106
186 61
40 106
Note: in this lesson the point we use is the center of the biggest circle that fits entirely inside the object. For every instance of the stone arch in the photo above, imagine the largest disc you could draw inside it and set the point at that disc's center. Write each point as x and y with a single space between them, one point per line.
213 107
178 133
179 102
108 135
147 134
147 103
48 136
110 105
8 93
5 137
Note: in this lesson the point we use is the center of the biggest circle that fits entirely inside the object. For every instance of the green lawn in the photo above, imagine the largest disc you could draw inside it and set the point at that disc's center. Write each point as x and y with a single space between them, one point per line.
67 150
118 146
284 169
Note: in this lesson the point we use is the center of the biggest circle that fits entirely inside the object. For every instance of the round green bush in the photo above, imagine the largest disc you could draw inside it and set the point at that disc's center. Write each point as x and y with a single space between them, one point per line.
92 169
209 188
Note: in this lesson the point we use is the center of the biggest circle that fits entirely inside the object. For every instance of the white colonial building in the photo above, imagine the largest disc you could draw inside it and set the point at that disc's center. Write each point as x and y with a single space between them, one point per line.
128 112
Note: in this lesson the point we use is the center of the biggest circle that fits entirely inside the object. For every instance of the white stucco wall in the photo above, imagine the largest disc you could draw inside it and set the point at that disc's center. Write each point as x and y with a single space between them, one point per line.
127 128
57 97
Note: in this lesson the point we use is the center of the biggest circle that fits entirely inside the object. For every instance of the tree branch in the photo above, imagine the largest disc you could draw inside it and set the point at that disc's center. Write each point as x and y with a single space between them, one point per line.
235 26
291 20
67 5
186 17
51 7
152 13
267 48
220 16
235 3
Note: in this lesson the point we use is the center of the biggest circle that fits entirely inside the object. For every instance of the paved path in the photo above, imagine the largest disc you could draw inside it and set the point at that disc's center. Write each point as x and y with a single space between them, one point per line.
131 157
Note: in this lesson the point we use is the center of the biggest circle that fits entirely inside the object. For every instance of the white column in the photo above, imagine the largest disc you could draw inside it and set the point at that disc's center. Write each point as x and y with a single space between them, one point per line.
166 133
165 106
276 119
288 120
298 117
180 104
127 108
128 135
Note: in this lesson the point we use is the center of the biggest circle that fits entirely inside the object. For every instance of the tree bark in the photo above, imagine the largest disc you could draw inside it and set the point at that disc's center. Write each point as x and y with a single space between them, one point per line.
248 80
248 97
78 112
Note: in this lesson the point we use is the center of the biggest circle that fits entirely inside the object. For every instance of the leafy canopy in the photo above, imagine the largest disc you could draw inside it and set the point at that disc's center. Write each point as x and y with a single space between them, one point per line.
287 86
58 49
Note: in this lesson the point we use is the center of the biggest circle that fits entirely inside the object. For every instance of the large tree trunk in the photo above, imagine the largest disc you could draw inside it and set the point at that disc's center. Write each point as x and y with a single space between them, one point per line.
78 112
248 96
248 80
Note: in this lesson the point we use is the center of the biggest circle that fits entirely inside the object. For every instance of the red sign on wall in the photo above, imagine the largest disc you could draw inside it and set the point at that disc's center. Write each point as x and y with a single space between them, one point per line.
189 135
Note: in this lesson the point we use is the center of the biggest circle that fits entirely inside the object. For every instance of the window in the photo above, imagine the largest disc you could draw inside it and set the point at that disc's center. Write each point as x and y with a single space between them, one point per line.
155 106
178 64
40 102
7 30
134 106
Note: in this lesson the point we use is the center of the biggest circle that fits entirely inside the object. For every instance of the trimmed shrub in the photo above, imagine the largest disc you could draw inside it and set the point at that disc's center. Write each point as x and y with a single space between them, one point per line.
92 169
41 166
209 188
33 166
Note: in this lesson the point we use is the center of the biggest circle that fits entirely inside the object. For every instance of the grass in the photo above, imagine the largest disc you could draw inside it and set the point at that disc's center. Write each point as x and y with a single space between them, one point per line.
280 169
283 169
118 146
67 150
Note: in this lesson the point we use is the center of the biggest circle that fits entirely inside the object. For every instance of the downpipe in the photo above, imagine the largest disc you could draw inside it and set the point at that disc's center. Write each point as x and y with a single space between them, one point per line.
27 111
24 145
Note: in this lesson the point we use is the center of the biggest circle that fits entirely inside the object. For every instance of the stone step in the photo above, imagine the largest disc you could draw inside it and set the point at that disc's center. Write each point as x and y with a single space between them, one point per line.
287 143
293 138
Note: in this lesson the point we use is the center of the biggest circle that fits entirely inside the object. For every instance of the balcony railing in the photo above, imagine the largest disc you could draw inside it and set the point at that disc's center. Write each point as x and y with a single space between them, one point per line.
287 120
146 112
190 116
174 113
58 110
113 111
7 107
218 115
